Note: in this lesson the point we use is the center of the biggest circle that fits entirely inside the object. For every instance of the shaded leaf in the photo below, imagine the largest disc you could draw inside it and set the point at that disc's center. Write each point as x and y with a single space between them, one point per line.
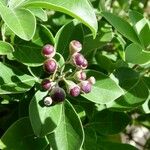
135 90
69 134
122 26
108 122
20 136
14 81
47 118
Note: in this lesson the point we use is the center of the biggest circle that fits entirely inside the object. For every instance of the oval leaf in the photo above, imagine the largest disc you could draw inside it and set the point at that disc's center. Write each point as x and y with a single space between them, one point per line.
40 13
43 119
108 122
69 134
20 21
104 91
141 26
28 53
20 136
79 9
122 26
134 54
135 90
14 81
5 48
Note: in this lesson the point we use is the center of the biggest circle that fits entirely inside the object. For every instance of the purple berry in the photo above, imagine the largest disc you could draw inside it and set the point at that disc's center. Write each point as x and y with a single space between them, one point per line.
48 51
58 94
46 84
80 75
85 64
86 86
50 65
75 46
75 91
48 101
79 59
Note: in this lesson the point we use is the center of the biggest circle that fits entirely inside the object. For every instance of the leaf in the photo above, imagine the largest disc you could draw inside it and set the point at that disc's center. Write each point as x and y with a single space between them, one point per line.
135 90
43 119
15 3
69 134
90 142
108 122
146 106
103 36
67 33
105 145
104 91
20 21
19 136
104 62
43 36
40 13
141 26
134 54
28 53
14 81
122 26
79 9
5 48
2 146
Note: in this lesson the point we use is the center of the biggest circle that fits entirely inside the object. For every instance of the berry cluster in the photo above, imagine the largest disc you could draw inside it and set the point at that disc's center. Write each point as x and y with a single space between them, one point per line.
74 83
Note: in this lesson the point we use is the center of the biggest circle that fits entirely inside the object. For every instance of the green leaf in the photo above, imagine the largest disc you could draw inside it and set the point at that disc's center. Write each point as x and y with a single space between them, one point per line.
122 26
146 106
40 13
104 91
43 119
28 53
69 134
104 62
43 36
108 122
15 3
20 21
105 145
14 81
2 146
135 90
69 32
134 54
80 9
5 48
90 142
103 36
141 26
20 136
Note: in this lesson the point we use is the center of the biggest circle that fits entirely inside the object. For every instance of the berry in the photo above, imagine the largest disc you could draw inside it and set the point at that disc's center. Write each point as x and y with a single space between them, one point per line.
80 75
50 65
48 101
92 80
85 64
48 51
75 91
75 46
86 86
46 84
58 94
